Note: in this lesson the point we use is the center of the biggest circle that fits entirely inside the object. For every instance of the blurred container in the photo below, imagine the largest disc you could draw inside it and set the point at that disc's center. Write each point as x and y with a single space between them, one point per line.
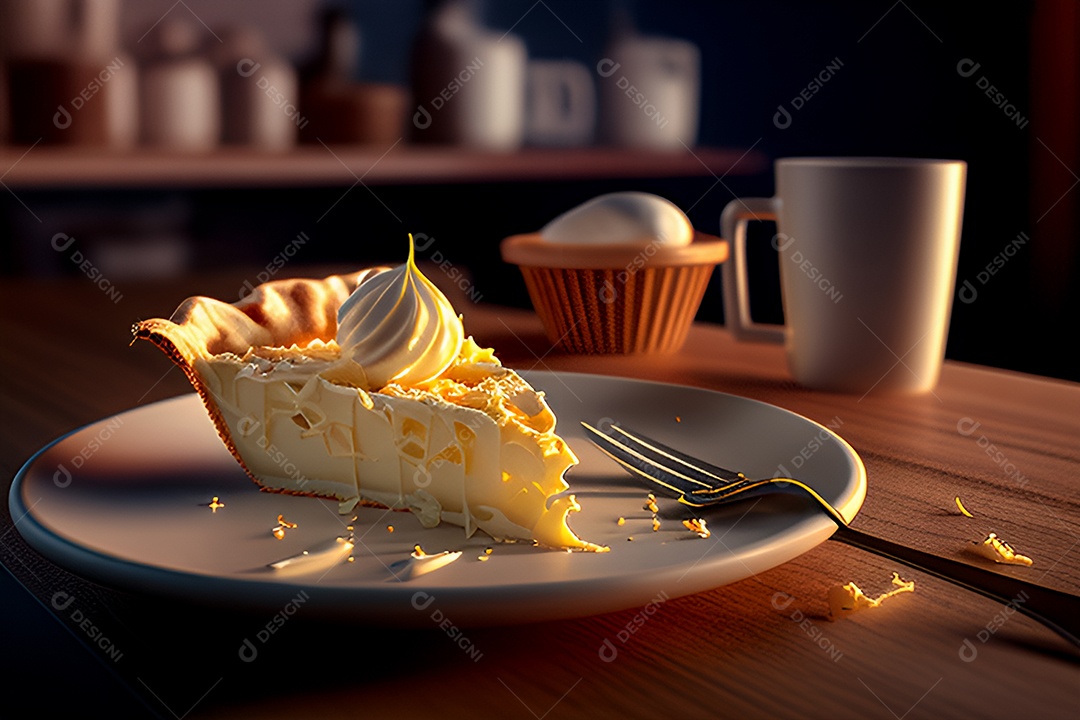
361 113
181 104
621 298
335 108
650 91
260 95
68 80
35 28
561 103
468 82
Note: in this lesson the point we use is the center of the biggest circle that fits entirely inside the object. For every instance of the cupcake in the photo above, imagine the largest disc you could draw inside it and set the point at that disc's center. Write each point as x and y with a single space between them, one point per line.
623 273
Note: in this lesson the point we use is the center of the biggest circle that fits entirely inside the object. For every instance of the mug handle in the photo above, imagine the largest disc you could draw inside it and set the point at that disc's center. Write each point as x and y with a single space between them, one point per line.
733 223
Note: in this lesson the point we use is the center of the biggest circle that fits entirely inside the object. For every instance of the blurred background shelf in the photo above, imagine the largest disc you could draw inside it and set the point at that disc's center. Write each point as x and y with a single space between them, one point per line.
57 167
781 79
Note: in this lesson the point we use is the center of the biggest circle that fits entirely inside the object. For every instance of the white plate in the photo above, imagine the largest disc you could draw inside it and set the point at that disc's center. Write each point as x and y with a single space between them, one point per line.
124 501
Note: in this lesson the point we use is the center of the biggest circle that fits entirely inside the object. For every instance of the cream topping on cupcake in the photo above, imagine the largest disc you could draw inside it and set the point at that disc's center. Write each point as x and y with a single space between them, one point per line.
621 217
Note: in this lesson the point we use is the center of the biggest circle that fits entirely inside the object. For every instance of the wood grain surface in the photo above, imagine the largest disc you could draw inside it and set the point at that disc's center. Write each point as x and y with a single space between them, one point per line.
1007 444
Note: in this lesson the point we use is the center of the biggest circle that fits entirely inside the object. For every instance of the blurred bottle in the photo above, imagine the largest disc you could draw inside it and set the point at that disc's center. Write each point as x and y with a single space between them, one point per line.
260 99
119 76
69 80
181 103
650 90
338 109
337 58
468 82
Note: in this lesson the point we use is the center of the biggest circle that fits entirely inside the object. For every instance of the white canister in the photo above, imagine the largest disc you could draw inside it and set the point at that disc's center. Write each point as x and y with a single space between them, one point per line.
97 42
121 98
468 83
650 91
259 94
181 106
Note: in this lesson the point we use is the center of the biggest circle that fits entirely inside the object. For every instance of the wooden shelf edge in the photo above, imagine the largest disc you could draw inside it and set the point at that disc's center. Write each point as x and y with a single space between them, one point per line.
45 167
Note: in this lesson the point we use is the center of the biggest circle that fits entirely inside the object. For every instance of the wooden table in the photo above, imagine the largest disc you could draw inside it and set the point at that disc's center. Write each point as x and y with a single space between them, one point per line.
1007 444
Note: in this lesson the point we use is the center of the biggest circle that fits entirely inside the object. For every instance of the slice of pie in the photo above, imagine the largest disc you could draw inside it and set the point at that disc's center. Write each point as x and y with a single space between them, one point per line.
363 388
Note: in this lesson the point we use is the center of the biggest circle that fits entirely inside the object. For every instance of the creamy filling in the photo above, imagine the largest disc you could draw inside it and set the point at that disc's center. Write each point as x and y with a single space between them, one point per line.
399 409
474 446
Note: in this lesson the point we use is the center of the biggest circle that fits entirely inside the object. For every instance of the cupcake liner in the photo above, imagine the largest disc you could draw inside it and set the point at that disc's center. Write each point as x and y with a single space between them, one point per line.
598 311
618 298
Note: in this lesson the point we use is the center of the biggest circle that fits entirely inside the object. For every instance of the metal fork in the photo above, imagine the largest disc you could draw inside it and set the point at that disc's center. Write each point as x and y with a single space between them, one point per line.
699 484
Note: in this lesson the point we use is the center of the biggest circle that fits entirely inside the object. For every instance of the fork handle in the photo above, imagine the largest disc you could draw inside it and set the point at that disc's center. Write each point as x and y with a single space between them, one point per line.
1059 611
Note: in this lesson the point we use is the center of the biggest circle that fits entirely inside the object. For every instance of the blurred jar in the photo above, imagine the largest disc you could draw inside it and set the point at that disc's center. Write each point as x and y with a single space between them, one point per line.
650 90
69 82
561 104
336 108
468 82
260 100
181 103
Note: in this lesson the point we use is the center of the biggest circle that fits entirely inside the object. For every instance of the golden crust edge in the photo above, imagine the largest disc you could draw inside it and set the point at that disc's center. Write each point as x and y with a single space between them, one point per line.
163 334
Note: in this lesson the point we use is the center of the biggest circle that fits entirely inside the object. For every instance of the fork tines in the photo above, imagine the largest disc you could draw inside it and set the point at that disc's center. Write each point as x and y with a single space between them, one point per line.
675 472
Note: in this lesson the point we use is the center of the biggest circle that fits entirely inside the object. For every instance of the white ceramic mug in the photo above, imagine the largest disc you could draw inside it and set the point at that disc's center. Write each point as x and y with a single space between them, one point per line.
868 250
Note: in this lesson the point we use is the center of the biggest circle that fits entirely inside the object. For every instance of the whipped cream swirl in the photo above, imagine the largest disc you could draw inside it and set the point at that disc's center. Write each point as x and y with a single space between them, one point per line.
399 327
